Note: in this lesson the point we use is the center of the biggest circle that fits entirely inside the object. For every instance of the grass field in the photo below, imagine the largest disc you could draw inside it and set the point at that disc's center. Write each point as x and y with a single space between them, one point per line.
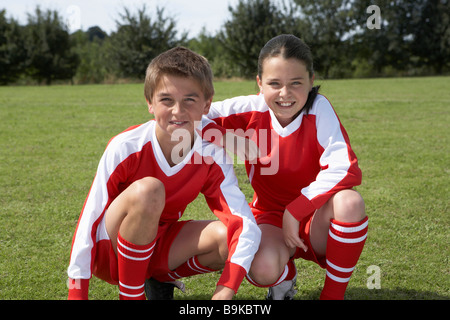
51 139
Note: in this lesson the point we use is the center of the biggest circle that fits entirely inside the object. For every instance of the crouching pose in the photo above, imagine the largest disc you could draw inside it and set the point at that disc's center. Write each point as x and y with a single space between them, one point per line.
304 201
128 230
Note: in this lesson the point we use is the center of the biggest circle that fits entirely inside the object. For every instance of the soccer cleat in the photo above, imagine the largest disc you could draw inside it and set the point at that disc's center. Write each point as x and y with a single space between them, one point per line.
283 291
155 290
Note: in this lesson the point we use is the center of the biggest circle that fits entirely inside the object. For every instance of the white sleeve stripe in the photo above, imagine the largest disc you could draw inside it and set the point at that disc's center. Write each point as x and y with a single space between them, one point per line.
335 155
97 199
237 105
249 238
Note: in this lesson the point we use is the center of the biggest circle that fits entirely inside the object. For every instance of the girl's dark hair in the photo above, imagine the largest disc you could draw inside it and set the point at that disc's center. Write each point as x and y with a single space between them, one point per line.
289 46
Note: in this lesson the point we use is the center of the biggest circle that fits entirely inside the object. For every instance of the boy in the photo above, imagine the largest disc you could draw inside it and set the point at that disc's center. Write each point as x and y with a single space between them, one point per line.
128 229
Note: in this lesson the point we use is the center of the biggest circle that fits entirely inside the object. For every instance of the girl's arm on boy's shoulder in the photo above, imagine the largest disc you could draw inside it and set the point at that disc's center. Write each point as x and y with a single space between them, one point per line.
233 108
235 113
243 147
226 125
339 164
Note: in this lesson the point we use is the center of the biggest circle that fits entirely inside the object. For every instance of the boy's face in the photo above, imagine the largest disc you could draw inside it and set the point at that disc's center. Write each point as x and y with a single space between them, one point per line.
285 84
177 103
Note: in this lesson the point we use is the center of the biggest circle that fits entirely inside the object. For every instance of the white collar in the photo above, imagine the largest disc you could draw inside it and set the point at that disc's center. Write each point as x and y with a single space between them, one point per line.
290 128
162 162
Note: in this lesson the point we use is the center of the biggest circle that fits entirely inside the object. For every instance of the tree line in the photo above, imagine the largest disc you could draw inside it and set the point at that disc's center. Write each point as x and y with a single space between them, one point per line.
403 37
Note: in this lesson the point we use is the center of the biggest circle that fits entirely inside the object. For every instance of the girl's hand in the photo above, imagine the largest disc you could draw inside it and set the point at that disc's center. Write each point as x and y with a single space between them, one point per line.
290 231
243 147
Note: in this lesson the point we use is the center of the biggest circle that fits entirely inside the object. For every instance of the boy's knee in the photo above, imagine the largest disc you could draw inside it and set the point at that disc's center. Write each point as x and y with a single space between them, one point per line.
149 195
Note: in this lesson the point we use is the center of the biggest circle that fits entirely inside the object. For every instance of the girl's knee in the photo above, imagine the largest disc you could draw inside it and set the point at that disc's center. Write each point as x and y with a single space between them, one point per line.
221 237
264 271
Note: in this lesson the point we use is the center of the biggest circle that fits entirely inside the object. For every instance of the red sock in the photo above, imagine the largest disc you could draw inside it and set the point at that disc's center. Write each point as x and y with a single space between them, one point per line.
191 267
344 246
292 270
288 274
133 261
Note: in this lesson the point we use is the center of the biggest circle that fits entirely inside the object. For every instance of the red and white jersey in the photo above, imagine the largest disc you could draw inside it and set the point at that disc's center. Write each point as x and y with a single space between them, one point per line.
135 154
301 165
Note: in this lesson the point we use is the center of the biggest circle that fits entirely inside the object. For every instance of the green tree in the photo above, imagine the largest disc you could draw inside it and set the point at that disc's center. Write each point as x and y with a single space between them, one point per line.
391 44
212 48
414 36
328 25
90 46
431 30
139 38
48 48
252 24
96 32
12 51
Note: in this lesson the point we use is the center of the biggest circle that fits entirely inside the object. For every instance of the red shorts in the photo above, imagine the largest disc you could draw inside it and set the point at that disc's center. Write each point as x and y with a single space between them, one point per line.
275 218
105 263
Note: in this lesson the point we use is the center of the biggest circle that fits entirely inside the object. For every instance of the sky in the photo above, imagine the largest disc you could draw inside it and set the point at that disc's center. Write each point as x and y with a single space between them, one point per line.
190 15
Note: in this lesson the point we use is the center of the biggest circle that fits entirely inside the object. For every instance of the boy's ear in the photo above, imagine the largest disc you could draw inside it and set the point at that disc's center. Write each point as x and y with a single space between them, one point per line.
207 106
259 82
150 108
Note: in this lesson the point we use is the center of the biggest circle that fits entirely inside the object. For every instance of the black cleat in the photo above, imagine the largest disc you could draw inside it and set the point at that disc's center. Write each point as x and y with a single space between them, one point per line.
155 290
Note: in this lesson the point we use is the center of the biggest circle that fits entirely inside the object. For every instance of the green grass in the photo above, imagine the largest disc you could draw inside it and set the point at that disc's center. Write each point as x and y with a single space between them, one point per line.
51 139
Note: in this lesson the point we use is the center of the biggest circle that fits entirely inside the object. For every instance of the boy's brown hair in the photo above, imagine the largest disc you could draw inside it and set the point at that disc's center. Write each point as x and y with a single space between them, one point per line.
181 62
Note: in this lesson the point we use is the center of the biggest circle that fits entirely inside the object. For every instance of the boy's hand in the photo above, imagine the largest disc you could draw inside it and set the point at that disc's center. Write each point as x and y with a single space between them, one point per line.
244 148
290 231
223 293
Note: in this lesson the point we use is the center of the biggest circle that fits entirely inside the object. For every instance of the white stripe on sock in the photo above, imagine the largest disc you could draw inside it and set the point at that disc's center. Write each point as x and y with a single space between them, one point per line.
134 258
349 229
337 279
340 269
346 240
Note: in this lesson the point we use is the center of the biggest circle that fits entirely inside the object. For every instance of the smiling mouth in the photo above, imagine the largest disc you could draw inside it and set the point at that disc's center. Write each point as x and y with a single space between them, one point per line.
285 104
178 123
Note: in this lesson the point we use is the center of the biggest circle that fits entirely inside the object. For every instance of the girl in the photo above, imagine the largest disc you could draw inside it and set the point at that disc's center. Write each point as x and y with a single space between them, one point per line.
303 203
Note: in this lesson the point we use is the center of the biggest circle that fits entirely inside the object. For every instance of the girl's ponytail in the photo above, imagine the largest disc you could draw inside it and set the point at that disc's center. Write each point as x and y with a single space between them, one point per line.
311 97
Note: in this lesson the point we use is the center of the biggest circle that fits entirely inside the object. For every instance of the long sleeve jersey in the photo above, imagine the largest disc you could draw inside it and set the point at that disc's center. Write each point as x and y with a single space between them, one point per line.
301 165
135 154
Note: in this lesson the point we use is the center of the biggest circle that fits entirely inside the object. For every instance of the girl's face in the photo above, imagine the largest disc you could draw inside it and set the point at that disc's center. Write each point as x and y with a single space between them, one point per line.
285 84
